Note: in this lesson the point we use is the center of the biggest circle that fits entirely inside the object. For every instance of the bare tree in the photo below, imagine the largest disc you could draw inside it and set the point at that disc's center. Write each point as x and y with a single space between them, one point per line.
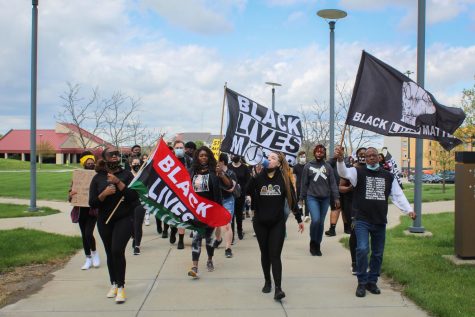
82 113
146 138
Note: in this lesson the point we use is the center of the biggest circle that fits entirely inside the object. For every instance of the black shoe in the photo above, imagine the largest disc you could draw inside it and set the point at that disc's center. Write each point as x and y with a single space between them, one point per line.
267 287
216 243
228 253
173 235
353 268
136 250
241 235
360 291
318 252
279 293
165 234
373 288
313 248
180 245
331 232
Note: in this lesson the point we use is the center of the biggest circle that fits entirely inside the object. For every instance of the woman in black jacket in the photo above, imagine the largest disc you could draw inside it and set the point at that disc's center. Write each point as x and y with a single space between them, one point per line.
109 192
271 190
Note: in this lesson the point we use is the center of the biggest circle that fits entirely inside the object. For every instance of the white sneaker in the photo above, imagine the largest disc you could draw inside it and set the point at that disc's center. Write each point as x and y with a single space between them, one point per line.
96 262
87 265
112 292
147 219
120 298
306 219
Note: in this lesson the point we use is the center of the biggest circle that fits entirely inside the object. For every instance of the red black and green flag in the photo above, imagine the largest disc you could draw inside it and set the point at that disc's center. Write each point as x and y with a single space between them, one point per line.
165 189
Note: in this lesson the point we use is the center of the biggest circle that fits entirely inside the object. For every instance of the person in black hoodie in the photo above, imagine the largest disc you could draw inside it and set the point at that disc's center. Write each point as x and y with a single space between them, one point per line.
109 192
270 190
318 184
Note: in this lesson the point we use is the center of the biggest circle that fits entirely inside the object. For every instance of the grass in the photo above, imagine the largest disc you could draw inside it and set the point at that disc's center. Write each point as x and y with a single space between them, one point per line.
432 282
431 192
14 211
50 185
20 247
11 164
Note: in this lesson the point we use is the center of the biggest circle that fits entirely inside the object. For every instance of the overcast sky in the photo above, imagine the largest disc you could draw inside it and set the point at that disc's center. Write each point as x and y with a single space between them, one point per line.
177 55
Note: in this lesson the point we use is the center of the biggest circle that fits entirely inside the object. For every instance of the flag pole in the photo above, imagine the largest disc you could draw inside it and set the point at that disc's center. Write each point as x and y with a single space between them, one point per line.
343 135
222 118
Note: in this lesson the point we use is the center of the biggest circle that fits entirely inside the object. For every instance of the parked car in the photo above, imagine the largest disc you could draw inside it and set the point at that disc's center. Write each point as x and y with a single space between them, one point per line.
449 177
436 179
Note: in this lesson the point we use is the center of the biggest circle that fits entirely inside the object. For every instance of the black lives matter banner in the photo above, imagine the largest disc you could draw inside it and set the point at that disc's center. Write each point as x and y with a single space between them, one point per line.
252 126
393 165
387 102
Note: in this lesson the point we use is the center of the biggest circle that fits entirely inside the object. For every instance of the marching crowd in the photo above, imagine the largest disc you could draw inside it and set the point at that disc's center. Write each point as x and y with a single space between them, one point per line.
358 189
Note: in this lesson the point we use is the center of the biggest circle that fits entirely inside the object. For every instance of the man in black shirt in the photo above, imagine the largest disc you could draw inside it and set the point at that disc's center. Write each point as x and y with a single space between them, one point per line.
297 170
243 176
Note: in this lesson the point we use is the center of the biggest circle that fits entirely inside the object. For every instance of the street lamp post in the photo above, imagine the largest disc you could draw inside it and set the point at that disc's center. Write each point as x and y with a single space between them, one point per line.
332 15
273 92
408 74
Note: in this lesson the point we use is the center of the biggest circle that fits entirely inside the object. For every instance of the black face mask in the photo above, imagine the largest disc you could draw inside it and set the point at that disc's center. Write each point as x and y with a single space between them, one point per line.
236 159
89 166
112 166
136 168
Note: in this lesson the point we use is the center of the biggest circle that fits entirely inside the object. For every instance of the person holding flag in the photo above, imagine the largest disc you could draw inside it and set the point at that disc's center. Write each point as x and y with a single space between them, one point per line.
271 190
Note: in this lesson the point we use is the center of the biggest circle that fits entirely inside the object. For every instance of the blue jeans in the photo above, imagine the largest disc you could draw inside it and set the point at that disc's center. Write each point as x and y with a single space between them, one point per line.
228 203
363 231
318 208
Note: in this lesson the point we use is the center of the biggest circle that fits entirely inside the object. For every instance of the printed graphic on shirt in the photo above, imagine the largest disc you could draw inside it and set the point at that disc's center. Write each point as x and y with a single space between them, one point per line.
322 171
375 188
201 183
270 190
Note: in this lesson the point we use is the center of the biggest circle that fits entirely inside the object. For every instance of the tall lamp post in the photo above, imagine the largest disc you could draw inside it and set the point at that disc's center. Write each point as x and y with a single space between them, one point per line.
332 15
408 74
273 92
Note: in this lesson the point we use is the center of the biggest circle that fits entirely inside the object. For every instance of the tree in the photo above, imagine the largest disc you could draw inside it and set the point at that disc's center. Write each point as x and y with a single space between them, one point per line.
468 105
45 149
146 138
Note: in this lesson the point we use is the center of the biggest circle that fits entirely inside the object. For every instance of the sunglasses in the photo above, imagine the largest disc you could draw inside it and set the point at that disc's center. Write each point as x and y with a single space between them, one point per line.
113 153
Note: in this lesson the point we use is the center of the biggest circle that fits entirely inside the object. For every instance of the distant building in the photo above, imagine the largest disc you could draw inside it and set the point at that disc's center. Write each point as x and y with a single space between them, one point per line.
58 146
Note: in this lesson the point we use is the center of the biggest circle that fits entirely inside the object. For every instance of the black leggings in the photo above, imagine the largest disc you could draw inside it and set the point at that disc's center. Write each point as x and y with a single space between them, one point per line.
270 237
87 223
196 244
115 236
238 210
139 215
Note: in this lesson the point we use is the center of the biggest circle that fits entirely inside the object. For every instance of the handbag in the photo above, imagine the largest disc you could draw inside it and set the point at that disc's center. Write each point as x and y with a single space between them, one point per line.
75 214
237 191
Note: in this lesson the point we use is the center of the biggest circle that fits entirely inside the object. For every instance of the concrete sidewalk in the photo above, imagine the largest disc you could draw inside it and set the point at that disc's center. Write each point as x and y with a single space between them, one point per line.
157 283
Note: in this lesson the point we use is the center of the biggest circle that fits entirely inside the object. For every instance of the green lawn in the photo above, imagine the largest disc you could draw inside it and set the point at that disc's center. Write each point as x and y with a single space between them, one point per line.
13 211
11 164
431 192
25 246
434 283
50 185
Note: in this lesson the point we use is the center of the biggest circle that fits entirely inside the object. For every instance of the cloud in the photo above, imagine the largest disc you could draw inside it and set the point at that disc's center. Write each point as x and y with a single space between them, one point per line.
296 17
284 3
200 16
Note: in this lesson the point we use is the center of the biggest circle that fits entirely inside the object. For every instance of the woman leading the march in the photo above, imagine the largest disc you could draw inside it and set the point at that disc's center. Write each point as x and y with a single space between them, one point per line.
270 190
109 192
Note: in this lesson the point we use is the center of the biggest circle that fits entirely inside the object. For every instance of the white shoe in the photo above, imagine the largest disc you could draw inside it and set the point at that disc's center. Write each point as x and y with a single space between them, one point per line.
87 265
96 262
112 292
306 219
147 219
120 298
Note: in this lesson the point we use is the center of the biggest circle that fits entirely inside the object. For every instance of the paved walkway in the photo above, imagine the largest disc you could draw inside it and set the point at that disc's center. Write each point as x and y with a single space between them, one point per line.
157 284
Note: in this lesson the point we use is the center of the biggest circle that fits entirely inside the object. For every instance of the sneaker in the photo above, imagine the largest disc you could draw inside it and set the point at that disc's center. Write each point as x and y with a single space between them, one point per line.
193 272
353 268
147 220
87 265
120 298
360 290
306 219
210 266
216 243
313 248
228 253
96 261
165 234
267 287
279 293
112 292
330 233
180 245
373 288
137 250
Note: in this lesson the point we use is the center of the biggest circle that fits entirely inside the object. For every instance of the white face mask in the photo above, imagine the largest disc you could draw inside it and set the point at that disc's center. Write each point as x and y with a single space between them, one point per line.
179 152
302 160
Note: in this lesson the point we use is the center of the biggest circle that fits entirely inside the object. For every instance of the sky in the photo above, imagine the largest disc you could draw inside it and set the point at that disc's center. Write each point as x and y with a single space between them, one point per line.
176 56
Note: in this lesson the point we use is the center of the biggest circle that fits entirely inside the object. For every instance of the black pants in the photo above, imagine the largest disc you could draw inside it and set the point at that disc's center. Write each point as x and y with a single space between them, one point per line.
238 210
270 237
115 236
139 215
87 223
353 245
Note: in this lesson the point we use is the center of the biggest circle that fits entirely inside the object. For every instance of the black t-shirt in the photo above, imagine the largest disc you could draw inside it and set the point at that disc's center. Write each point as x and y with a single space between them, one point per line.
370 198
207 185
298 170
242 174
268 195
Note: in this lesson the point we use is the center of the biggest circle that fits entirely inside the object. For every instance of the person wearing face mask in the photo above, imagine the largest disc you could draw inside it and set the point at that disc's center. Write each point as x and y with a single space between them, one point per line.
298 170
139 211
243 175
318 184
108 192
372 187
271 189
87 219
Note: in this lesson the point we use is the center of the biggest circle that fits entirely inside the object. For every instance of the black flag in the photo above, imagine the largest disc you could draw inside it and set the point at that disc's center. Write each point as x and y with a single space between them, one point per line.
387 102
254 130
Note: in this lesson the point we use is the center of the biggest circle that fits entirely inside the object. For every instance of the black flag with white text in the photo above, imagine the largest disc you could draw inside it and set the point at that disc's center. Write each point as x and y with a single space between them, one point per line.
387 102
253 128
